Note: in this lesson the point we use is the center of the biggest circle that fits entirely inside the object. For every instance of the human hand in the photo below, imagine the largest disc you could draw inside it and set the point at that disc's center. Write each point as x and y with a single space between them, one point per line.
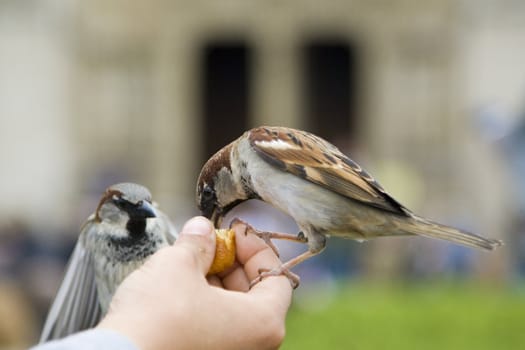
169 302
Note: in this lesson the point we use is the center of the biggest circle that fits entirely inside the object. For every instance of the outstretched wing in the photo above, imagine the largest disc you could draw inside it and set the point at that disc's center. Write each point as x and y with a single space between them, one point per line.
316 160
76 306
167 226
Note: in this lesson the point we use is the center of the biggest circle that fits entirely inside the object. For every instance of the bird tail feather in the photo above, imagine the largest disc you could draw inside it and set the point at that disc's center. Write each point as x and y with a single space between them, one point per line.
427 228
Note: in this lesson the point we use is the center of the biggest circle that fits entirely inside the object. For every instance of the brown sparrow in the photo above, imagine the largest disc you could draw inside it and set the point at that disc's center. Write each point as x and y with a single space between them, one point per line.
324 191
125 229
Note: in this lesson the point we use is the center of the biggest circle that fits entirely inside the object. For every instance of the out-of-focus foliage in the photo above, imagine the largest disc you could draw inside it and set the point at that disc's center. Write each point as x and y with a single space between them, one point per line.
415 316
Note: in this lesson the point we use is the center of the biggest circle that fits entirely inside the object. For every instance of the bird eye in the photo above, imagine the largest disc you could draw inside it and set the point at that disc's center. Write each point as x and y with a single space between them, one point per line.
119 201
207 193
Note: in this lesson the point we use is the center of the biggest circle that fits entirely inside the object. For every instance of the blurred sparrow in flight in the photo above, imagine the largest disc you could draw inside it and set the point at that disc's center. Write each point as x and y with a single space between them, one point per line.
324 191
125 229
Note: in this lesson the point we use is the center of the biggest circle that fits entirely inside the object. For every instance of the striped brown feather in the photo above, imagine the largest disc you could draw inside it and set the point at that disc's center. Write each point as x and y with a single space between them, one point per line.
316 160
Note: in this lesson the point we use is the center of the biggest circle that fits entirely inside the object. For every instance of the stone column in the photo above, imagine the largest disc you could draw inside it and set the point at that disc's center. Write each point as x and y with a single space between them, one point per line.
276 79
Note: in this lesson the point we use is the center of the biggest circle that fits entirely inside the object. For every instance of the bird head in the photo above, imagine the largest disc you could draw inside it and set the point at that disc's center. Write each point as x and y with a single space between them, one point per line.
126 204
218 189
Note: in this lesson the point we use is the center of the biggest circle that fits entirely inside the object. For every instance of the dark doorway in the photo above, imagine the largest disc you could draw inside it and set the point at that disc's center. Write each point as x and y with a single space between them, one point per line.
329 106
329 89
225 96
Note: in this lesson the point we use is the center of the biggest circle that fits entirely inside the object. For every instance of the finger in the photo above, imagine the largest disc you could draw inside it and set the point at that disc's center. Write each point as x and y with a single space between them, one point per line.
236 280
195 246
275 291
253 253
215 281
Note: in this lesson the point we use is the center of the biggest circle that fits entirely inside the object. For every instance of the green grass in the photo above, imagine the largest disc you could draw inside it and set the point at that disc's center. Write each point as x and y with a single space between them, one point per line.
438 316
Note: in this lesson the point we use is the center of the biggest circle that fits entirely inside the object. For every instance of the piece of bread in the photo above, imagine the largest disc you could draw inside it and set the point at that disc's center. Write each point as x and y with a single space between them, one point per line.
224 251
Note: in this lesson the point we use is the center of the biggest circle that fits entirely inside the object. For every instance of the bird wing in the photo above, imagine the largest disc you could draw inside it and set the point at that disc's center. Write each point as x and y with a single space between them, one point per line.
318 161
167 226
76 306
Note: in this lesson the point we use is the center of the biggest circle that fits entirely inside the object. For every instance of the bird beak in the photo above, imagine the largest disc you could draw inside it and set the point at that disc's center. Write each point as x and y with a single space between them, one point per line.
213 214
146 210
216 217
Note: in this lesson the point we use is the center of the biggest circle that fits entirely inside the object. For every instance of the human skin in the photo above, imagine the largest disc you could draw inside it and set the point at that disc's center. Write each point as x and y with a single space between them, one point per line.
170 303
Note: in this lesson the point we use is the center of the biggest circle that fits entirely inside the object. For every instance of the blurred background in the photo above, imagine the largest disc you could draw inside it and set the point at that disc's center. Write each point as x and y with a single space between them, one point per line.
427 95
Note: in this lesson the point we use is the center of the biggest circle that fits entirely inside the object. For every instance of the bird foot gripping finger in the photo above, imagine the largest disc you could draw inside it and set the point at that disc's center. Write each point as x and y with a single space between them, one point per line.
284 269
265 236
279 271
268 236
237 221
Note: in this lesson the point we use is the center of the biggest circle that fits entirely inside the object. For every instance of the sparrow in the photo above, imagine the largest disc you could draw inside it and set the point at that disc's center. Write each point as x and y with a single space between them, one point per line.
323 190
124 231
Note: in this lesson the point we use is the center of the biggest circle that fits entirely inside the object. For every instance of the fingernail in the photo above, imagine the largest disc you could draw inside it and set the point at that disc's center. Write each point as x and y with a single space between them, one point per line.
197 226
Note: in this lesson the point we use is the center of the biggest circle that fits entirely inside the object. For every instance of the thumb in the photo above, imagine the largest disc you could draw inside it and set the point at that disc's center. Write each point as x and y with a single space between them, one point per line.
196 244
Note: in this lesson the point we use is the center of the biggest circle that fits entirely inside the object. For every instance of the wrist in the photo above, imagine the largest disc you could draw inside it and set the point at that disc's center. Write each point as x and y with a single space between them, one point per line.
136 331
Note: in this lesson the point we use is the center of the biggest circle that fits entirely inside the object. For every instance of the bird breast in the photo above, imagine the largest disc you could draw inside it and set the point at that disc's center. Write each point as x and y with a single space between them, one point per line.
116 255
312 206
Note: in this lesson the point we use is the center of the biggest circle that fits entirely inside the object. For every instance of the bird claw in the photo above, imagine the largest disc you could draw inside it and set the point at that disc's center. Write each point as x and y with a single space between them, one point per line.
278 271
237 221
265 236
